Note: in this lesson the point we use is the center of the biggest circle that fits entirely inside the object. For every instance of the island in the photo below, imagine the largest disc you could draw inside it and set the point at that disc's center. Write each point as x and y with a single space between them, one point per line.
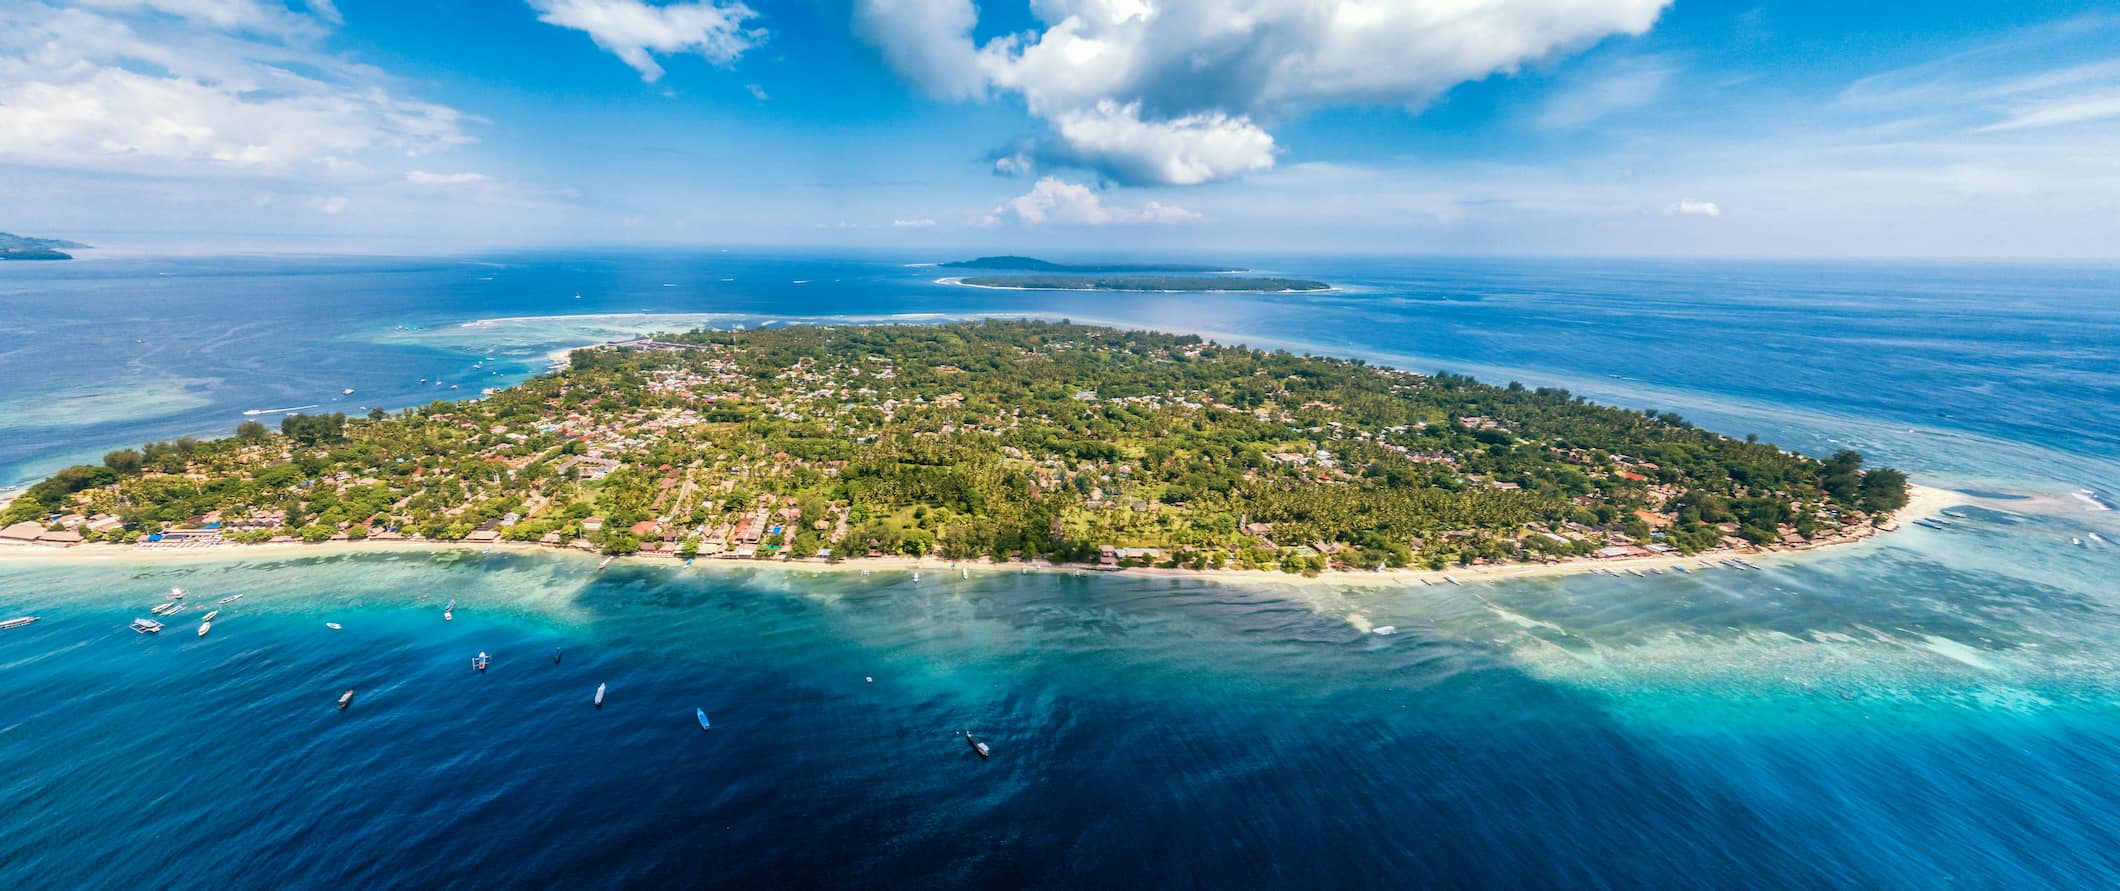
1003 440
23 247
1057 282
1033 264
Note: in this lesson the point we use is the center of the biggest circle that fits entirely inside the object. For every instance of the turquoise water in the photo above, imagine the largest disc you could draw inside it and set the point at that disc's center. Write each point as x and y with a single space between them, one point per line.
1936 708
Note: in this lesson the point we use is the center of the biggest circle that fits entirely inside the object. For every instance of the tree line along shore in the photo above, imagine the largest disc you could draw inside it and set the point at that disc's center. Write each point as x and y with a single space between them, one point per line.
1001 439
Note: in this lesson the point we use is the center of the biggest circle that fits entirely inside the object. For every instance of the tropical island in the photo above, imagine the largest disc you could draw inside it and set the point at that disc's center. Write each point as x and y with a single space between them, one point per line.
1074 282
23 247
1032 264
1010 440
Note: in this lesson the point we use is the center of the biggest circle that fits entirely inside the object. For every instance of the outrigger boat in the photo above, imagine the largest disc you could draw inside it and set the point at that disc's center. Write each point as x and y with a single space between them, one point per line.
481 662
17 623
449 612
146 626
176 593
205 626
345 699
976 745
229 599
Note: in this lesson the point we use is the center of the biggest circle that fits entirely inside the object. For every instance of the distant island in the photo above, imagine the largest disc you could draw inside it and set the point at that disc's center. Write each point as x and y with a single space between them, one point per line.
23 247
1004 439
1033 264
1056 282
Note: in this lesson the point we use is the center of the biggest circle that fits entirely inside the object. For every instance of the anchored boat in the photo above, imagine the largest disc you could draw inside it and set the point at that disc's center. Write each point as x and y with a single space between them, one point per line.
704 724
229 599
146 626
449 612
17 623
977 746
481 662
345 699
599 696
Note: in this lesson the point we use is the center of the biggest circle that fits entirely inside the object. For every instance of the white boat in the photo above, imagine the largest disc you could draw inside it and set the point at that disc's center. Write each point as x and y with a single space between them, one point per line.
2077 542
205 627
209 615
17 623
229 599
346 392
345 699
174 609
481 662
146 626
332 625
599 696
1385 629
977 746
176 593
164 609
963 573
607 562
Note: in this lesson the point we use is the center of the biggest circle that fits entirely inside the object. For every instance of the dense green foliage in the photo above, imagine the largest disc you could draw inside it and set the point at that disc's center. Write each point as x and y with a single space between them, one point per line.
1033 264
1000 439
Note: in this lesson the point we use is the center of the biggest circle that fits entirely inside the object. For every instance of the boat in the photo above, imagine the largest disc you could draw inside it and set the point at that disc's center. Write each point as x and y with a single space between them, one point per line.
146 626
555 655
165 609
607 562
704 724
346 392
963 573
229 599
976 745
345 699
599 696
449 612
174 608
17 623
176 593
1954 515
1681 567
205 626
1385 629
916 576
481 662
2077 542
332 625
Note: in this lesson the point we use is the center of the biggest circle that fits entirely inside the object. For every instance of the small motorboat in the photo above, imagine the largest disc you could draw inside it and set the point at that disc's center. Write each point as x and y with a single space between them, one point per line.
1385 630
209 615
332 625
205 626
229 599
164 609
481 662
17 623
345 699
449 612
599 696
174 608
976 745
146 626
176 593
607 562
704 724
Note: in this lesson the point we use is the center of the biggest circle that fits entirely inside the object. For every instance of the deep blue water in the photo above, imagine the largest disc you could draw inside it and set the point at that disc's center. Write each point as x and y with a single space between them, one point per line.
1936 709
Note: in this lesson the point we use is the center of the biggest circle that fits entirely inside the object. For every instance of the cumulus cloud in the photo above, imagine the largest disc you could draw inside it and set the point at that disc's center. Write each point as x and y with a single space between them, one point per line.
196 90
1688 207
332 204
1055 201
1173 92
635 31
922 223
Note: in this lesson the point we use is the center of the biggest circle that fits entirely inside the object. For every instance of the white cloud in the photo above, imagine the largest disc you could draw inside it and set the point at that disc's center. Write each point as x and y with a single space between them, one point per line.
635 31
326 10
1052 200
922 223
1184 151
198 94
757 92
423 178
1691 208
334 204
1199 75
226 15
1616 88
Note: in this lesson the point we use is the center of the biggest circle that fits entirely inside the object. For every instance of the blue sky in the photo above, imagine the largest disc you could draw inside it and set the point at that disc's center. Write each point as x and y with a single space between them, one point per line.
1559 127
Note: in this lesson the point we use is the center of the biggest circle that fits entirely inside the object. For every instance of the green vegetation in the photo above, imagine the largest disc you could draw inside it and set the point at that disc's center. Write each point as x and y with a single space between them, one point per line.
23 247
999 439
1055 282
1033 264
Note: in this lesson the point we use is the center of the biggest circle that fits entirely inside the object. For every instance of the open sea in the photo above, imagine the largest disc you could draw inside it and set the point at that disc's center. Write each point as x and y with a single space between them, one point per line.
1936 708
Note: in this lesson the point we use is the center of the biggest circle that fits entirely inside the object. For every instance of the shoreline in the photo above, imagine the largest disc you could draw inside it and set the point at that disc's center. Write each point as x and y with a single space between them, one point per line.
959 282
1922 502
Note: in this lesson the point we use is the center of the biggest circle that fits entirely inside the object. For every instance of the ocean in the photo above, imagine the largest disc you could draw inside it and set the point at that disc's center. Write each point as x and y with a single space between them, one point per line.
1934 708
